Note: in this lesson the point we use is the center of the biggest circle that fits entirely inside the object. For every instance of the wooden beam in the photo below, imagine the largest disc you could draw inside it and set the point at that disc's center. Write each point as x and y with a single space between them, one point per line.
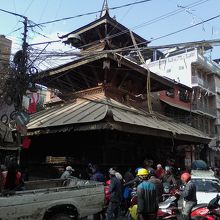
85 79
123 80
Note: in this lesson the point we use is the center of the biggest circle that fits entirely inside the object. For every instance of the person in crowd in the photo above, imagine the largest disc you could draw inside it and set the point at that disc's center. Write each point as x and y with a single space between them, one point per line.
189 195
115 190
128 176
12 178
159 186
67 173
148 164
97 175
119 176
168 176
159 171
135 181
147 204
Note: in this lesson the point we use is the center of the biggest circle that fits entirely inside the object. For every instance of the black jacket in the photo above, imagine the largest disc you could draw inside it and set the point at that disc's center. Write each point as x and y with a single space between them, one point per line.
115 190
136 181
147 198
169 178
189 193
159 187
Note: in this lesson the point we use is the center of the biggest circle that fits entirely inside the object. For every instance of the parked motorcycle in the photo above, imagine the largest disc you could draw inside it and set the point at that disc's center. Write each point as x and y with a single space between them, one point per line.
209 211
168 209
169 190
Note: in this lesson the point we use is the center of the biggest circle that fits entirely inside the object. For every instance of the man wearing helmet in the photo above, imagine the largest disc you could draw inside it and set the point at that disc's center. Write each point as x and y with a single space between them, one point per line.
189 195
147 197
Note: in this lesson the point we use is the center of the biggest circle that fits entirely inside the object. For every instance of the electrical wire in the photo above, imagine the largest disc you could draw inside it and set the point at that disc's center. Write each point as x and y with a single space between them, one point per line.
90 13
146 23
186 28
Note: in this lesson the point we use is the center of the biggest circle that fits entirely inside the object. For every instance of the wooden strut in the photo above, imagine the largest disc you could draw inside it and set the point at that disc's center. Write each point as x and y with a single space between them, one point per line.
148 73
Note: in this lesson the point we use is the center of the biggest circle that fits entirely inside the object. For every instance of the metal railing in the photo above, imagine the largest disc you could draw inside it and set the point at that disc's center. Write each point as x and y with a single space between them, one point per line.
211 65
198 106
200 82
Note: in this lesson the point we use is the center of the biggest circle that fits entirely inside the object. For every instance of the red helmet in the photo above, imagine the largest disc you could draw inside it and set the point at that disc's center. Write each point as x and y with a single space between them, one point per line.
108 182
185 177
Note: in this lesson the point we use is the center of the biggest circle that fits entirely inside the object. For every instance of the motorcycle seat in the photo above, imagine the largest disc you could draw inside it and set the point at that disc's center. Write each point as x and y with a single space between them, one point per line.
199 206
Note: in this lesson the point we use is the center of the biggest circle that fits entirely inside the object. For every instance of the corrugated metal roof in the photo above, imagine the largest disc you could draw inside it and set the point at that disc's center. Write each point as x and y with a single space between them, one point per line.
81 111
95 109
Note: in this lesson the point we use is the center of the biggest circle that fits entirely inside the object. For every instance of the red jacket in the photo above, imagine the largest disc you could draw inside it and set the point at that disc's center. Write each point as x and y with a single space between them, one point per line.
106 190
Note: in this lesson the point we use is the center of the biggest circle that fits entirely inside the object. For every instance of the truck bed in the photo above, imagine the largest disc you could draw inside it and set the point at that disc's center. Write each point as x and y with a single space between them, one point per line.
41 197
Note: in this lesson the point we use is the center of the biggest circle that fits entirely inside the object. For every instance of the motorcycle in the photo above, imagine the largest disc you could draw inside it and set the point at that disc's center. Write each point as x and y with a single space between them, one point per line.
209 211
168 209
169 190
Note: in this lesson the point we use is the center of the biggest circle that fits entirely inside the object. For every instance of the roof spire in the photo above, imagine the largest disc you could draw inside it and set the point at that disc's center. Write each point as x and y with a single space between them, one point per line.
104 8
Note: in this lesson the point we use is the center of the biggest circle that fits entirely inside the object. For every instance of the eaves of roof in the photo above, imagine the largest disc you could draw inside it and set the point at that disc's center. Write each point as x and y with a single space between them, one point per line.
104 20
176 105
105 113
116 57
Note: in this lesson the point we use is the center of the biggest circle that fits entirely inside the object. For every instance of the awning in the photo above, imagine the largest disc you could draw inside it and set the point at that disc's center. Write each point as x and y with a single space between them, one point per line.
100 112
176 106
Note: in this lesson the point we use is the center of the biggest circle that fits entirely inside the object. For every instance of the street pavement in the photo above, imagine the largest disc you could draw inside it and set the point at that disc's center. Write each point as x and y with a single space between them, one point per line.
121 217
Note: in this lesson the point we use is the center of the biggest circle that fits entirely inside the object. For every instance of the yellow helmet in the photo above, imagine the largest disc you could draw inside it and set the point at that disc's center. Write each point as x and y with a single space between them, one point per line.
142 172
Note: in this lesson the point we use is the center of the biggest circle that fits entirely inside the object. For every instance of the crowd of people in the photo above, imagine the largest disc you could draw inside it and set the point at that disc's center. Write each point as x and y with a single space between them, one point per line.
149 182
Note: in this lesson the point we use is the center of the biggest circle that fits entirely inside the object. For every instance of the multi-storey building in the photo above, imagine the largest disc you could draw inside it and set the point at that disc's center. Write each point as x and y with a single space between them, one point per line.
191 68
5 51
6 106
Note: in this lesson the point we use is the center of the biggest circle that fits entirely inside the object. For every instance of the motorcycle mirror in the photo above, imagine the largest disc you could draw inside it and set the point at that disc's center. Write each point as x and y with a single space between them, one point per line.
182 187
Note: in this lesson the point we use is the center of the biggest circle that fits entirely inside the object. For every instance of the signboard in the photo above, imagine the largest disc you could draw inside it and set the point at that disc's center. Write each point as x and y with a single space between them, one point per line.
22 118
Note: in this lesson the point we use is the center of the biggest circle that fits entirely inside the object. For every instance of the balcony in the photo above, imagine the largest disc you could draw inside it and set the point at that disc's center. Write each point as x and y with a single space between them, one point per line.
209 64
218 105
217 121
204 109
218 89
196 81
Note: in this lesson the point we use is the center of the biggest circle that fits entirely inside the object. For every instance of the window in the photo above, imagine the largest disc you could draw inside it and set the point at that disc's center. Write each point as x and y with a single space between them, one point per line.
170 93
184 95
208 186
181 67
168 70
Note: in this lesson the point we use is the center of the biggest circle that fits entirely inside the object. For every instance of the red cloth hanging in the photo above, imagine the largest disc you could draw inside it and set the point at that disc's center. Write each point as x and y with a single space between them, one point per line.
26 142
33 103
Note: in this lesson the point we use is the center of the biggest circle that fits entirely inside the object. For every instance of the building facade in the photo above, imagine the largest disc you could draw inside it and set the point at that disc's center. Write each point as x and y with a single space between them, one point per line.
191 68
6 105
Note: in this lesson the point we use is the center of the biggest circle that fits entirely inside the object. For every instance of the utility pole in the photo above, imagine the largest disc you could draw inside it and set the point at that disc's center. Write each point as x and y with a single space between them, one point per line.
23 81
21 84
